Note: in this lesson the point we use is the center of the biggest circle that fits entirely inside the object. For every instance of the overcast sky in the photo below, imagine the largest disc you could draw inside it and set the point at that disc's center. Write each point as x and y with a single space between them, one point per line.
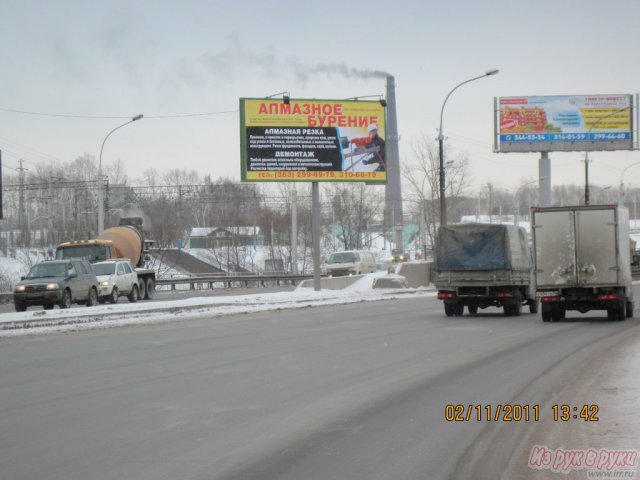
166 58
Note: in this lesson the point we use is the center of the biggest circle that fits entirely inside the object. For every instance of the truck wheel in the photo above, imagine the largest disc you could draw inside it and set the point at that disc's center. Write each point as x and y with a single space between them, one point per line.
533 306
508 310
546 316
629 309
622 311
473 309
453 309
65 301
20 306
141 289
113 297
612 314
133 296
151 288
448 310
558 314
92 298
48 306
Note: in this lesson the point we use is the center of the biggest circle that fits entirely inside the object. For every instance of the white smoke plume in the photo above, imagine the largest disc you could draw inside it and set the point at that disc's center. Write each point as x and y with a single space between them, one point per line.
235 59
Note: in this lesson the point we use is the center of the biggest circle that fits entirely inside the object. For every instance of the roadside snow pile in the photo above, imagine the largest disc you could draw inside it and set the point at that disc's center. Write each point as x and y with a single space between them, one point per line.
10 272
391 281
103 316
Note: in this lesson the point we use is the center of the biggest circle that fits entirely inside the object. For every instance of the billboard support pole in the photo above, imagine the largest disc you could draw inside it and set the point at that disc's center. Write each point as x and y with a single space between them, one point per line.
294 230
544 180
637 123
315 233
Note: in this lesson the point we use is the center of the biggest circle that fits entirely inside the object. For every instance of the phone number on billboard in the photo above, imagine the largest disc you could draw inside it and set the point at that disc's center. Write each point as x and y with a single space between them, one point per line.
324 174
564 137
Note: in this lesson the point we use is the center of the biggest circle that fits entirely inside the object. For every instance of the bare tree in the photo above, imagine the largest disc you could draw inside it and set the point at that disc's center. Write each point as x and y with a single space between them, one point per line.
354 207
422 177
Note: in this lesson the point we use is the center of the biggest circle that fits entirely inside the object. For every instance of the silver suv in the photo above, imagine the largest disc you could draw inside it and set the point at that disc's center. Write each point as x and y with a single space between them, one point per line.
117 278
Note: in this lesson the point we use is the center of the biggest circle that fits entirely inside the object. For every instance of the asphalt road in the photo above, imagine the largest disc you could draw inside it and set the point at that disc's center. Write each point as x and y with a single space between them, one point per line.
348 392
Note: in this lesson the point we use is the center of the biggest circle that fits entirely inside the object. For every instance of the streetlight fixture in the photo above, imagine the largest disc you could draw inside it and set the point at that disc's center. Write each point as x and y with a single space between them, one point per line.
443 204
620 192
100 179
516 205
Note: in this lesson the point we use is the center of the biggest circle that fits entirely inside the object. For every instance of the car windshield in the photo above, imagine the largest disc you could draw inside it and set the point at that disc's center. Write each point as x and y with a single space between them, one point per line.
104 268
343 257
48 270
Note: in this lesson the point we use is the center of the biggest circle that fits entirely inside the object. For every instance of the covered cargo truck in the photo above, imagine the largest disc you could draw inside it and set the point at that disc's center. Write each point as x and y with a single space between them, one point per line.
582 260
480 266
124 241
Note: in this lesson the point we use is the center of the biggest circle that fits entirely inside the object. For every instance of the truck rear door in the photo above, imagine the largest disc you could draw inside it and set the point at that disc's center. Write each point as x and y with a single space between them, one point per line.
596 246
555 248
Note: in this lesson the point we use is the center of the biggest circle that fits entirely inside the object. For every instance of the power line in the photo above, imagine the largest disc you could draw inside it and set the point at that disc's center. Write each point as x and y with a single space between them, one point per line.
111 117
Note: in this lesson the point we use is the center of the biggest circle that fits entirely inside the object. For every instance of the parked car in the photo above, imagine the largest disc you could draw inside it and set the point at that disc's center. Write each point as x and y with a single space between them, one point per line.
117 278
57 282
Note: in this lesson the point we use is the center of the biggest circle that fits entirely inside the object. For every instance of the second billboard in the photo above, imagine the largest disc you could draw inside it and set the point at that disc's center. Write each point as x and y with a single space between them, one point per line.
564 123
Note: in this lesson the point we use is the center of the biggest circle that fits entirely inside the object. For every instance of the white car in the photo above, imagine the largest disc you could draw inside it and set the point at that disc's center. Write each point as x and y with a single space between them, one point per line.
116 278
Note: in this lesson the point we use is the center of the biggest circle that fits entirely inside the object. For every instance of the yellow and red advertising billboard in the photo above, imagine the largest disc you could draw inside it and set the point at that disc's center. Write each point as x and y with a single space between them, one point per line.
312 140
564 123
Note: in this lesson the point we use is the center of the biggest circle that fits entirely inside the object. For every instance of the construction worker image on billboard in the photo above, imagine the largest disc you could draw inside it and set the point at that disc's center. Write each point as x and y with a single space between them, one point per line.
373 145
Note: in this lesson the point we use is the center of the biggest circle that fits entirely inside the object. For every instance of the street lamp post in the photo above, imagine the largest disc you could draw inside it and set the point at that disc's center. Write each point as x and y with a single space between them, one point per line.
443 204
100 179
516 204
621 192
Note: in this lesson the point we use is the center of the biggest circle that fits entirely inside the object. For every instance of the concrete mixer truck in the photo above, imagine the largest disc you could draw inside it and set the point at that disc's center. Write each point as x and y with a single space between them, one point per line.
124 241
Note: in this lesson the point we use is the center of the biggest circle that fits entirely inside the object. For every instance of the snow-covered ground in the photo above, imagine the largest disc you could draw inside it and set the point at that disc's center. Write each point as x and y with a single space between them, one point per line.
103 316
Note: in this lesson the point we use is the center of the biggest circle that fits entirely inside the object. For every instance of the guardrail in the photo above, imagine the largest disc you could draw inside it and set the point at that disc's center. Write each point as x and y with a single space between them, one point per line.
198 282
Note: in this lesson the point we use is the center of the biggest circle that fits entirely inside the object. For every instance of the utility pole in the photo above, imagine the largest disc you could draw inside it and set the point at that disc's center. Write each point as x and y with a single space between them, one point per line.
587 193
21 212
490 202
1 211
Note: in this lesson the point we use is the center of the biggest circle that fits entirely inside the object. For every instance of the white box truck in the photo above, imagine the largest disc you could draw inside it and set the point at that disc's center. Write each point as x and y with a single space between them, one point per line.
582 260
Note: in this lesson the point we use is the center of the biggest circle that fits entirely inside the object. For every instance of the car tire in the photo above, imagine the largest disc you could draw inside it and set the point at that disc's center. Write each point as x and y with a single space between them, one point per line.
92 298
473 309
151 288
48 306
113 296
65 301
20 307
133 296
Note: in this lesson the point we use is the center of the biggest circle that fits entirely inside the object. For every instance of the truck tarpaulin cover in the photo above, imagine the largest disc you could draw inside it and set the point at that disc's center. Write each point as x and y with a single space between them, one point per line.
482 247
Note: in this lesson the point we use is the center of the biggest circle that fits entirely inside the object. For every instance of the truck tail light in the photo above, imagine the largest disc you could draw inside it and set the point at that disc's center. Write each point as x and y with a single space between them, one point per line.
550 299
443 295
504 295
610 296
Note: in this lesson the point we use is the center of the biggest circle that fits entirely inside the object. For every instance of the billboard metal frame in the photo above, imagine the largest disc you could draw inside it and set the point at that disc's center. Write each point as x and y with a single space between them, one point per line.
308 140
577 140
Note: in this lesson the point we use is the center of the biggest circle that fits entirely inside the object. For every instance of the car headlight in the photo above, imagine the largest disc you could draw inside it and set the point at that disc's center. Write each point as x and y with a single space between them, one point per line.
105 283
20 288
53 286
